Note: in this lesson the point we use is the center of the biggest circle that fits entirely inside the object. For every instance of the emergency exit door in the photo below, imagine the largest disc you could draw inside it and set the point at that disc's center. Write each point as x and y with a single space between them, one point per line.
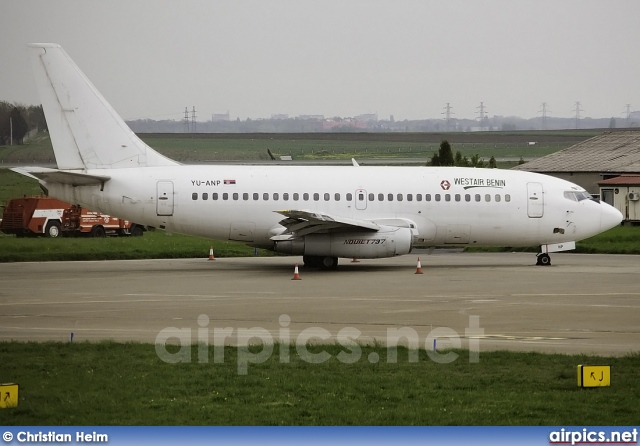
164 201
535 200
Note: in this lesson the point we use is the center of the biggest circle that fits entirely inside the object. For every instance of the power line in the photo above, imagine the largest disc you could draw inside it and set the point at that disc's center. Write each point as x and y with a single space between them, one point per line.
448 114
482 114
186 120
577 114
544 115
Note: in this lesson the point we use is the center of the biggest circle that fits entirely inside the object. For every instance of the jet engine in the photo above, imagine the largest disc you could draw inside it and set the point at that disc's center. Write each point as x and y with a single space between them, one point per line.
387 242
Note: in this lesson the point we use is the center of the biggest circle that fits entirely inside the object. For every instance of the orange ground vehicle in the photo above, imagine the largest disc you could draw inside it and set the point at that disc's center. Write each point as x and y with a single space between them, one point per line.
32 216
81 221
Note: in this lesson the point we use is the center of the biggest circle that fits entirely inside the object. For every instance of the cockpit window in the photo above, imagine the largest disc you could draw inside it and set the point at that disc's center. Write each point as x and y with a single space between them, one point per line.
577 196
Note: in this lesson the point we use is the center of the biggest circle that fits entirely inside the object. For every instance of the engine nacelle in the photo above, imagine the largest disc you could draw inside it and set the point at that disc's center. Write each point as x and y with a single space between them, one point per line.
388 242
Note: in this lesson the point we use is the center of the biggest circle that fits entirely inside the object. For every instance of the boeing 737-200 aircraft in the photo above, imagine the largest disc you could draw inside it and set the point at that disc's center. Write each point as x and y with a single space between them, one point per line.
319 212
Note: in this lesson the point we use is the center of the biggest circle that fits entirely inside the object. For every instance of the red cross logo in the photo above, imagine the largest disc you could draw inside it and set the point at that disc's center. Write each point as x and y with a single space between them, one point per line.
444 184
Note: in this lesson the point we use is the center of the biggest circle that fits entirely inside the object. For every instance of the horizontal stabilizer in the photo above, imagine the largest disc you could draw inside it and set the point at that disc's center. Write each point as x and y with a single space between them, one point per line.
62 176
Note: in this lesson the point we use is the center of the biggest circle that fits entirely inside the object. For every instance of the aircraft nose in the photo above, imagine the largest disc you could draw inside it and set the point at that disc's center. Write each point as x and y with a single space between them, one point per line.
610 217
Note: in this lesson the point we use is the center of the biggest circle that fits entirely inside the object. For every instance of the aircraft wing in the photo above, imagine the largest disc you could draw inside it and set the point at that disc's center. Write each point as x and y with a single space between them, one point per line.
62 176
300 223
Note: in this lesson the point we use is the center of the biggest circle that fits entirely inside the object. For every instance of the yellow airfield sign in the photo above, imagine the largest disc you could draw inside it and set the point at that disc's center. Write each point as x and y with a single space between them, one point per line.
8 395
594 375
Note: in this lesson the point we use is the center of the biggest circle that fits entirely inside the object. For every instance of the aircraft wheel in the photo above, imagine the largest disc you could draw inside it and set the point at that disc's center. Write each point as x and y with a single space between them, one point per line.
544 260
329 263
312 261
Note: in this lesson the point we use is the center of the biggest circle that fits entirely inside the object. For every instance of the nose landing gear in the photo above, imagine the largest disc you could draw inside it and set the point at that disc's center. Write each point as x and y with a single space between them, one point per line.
543 259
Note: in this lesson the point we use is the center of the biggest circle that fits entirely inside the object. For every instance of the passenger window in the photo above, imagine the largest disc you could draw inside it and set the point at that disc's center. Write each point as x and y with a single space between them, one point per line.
478 197
214 196
285 196
276 196
235 196
427 197
418 197
457 197
296 197
409 197
194 196
399 197
349 197
337 197
327 197
390 197
305 196
205 196
316 196
447 197
256 196
507 198
380 197
245 196
467 197
437 197
372 197
498 198
487 198
265 196
225 196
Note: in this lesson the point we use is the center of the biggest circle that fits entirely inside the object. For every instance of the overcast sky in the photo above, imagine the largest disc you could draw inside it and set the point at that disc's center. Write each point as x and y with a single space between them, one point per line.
153 58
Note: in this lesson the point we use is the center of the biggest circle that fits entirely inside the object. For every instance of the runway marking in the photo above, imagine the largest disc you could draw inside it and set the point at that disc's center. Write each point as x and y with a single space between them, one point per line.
76 302
575 294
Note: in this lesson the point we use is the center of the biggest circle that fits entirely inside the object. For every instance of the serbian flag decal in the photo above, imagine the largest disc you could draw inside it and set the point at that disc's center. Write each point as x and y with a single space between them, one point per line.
229 181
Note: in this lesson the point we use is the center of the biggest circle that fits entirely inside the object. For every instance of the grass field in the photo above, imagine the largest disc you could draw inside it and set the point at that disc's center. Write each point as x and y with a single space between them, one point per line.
110 383
127 384
152 245
201 147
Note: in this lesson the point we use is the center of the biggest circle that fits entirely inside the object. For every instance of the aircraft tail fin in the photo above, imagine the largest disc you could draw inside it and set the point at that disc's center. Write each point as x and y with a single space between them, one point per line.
86 132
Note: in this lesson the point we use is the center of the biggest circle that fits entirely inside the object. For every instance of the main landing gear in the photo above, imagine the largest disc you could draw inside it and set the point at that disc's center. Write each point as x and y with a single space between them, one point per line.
320 262
543 259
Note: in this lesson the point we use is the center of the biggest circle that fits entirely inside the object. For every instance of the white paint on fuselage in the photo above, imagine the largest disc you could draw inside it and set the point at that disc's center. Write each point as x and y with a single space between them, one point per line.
131 193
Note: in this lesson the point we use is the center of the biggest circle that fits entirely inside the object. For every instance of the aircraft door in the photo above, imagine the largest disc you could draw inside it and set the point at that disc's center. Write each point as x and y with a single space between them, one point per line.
164 203
535 200
361 199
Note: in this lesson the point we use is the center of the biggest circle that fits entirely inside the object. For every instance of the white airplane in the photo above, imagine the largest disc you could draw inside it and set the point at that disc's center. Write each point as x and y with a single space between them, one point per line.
319 212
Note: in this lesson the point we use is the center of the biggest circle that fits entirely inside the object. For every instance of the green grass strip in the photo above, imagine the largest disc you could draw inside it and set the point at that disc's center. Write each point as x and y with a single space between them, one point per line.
110 383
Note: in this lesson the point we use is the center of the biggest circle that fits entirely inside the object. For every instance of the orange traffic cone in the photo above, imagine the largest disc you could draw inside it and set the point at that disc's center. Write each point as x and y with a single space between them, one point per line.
296 275
355 260
419 268
211 257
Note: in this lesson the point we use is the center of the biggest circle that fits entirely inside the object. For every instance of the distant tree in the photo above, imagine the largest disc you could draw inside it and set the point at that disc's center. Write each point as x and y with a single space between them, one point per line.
445 154
476 161
35 117
612 123
18 124
521 161
435 160
461 161
492 162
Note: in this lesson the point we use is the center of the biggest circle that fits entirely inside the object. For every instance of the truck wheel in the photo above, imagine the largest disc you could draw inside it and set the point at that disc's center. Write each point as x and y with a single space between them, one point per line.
53 229
98 231
136 231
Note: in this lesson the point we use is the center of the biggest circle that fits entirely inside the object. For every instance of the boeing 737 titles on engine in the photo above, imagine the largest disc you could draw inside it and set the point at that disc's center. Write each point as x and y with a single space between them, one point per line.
319 212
